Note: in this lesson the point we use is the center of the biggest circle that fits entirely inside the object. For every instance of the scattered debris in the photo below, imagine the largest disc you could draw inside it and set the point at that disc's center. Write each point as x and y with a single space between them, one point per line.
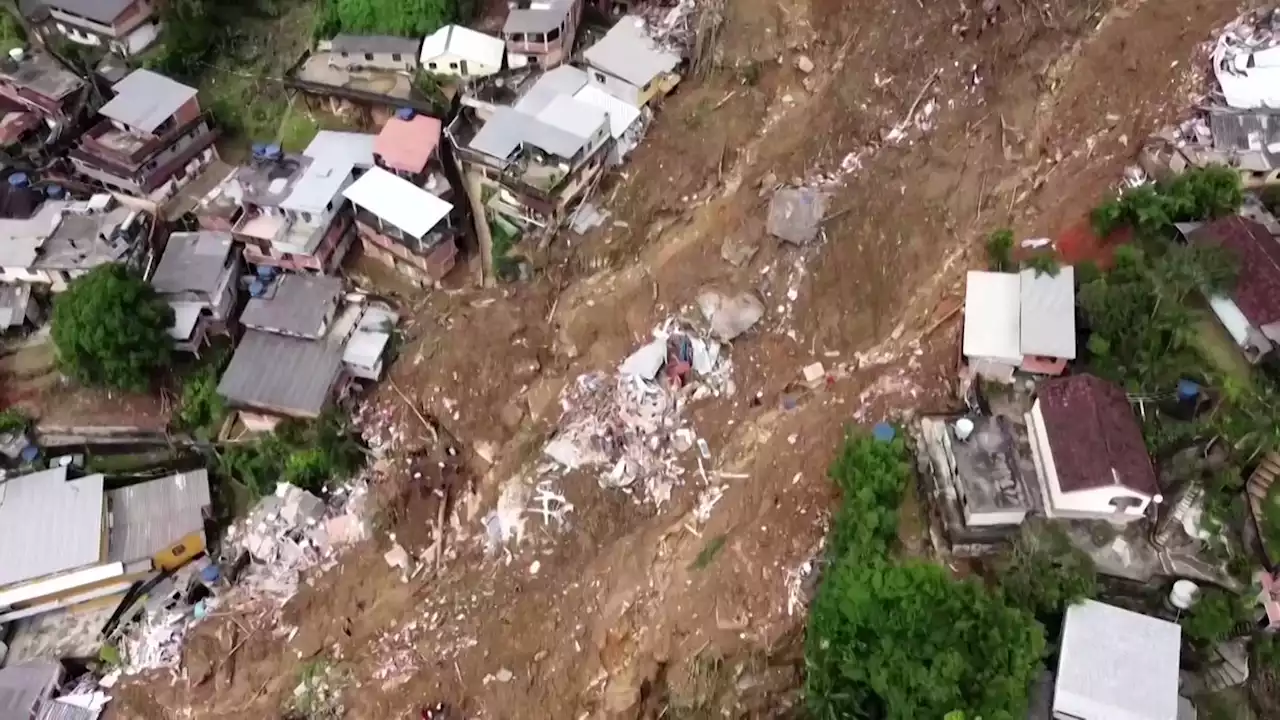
738 252
814 373
804 64
730 315
795 214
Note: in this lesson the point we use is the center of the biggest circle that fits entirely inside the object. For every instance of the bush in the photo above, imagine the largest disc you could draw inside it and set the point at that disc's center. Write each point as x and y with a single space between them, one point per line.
407 18
308 455
201 409
1151 210
1000 251
13 420
111 329
889 639
1213 617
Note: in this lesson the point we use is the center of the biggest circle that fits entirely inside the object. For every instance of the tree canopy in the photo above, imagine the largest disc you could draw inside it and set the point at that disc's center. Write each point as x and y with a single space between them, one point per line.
898 639
408 18
111 329
1044 574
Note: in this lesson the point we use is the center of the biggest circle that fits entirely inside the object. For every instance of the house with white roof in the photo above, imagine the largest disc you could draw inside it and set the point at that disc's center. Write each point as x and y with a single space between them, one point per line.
628 64
1023 321
1116 665
404 226
459 51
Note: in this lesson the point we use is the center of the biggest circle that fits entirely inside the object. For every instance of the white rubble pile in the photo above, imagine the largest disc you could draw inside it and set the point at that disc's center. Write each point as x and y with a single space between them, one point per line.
157 641
1246 60
629 424
672 28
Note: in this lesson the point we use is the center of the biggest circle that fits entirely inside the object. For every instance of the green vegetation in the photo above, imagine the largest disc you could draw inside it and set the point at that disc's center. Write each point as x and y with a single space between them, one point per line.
1000 251
1214 615
1044 574
1044 263
1269 525
708 552
11 32
429 86
506 265
897 638
13 420
308 455
408 18
111 329
297 130
201 409
1151 210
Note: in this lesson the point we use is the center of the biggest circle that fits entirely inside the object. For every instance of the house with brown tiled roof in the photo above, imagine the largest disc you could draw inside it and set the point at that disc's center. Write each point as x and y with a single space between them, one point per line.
1250 312
1088 451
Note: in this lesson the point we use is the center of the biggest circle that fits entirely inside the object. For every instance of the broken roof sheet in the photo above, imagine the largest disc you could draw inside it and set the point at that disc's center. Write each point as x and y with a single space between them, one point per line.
281 374
145 99
150 516
295 304
992 321
1095 439
398 202
474 47
407 145
1048 313
192 262
41 73
1115 663
379 44
1257 287
49 524
628 52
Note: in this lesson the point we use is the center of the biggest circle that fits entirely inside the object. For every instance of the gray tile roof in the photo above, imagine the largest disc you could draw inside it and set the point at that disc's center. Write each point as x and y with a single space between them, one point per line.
49 524
149 517
1048 322
380 44
628 52
22 687
281 374
295 305
103 11
145 99
537 19
192 262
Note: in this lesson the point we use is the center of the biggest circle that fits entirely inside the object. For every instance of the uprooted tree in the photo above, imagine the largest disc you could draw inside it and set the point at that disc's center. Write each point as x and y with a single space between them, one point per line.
900 638
110 329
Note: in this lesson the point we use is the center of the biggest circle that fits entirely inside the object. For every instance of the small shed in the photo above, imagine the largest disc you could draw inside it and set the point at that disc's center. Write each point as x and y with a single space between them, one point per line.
462 52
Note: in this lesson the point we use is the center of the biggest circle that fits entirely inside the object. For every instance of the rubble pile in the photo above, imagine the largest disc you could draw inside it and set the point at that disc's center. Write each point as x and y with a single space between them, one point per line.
673 28
629 423
1246 60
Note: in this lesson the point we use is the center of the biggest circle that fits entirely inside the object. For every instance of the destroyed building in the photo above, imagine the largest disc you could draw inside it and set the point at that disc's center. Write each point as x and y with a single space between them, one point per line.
66 239
1250 311
39 99
199 276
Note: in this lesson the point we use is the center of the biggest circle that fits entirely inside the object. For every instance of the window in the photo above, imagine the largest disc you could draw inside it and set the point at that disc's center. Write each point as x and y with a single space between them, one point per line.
306 216
178 550
395 57
533 59
453 66
553 35
344 54
515 37
599 77
368 57
431 66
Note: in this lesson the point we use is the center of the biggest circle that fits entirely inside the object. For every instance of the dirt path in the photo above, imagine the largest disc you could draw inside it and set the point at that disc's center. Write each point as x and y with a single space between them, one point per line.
1024 121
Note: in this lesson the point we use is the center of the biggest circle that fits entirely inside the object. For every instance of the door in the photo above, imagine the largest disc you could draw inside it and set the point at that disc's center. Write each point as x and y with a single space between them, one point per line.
462 67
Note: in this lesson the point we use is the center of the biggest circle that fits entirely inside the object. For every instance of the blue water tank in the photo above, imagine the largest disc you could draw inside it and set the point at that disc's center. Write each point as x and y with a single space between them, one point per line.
209 574
19 180
267 272
273 152
405 113
883 432
54 192
30 453
257 288
259 149
1188 390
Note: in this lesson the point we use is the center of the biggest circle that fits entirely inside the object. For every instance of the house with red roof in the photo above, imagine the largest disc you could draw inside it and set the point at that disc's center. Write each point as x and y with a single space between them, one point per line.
1250 312
1088 451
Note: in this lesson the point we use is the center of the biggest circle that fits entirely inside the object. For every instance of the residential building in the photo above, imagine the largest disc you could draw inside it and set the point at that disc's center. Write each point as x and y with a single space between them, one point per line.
26 690
461 52
65 239
340 148
39 98
151 140
288 208
1089 452
300 351
374 52
1250 312
199 276
409 146
64 541
1024 321
1116 665
628 64
404 226
539 156
17 307
541 32
125 27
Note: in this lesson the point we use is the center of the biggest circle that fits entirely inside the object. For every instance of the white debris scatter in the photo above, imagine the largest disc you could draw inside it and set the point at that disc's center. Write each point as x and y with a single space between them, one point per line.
1246 60
629 424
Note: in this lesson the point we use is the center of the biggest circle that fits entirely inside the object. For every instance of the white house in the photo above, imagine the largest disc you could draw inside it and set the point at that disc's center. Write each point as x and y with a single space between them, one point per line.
1088 451
1019 322
462 52
627 63
1116 665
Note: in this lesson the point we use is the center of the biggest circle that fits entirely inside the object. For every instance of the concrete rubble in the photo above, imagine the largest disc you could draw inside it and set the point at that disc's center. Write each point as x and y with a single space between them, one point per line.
1246 60
629 425
730 315
795 214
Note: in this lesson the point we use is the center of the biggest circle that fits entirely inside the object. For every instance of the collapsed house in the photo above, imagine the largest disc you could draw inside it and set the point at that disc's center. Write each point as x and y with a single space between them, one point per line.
151 140
66 541
1250 311
199 276
39 100
1024 321
66 239
301 349
1089 451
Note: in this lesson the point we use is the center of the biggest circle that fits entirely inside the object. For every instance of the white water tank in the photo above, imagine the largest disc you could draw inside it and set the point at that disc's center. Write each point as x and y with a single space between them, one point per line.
16 54
964 428
1183 594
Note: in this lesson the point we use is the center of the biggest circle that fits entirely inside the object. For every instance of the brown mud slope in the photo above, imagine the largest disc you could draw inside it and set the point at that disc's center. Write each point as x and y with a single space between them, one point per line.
627 612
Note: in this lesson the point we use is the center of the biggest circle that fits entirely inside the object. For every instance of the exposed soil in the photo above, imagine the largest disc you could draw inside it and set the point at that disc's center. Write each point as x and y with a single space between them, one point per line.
626 611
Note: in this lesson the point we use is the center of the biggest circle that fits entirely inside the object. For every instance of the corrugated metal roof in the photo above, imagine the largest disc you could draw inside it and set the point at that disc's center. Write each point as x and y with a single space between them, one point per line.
375 44
472 46
22 687
1247 131
991 318
538 17
57 710
48 524
628 52
320 183
192 262
1049 313
343 148
103 11
149 517
508 129
295 305
145 99
1117 663
281 374
580 119
622 114
398 201
562 80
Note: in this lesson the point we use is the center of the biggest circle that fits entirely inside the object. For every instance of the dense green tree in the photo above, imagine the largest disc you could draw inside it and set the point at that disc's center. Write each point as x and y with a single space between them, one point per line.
111 329
1044 573
409 18
1151 210
306 454
1213 617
